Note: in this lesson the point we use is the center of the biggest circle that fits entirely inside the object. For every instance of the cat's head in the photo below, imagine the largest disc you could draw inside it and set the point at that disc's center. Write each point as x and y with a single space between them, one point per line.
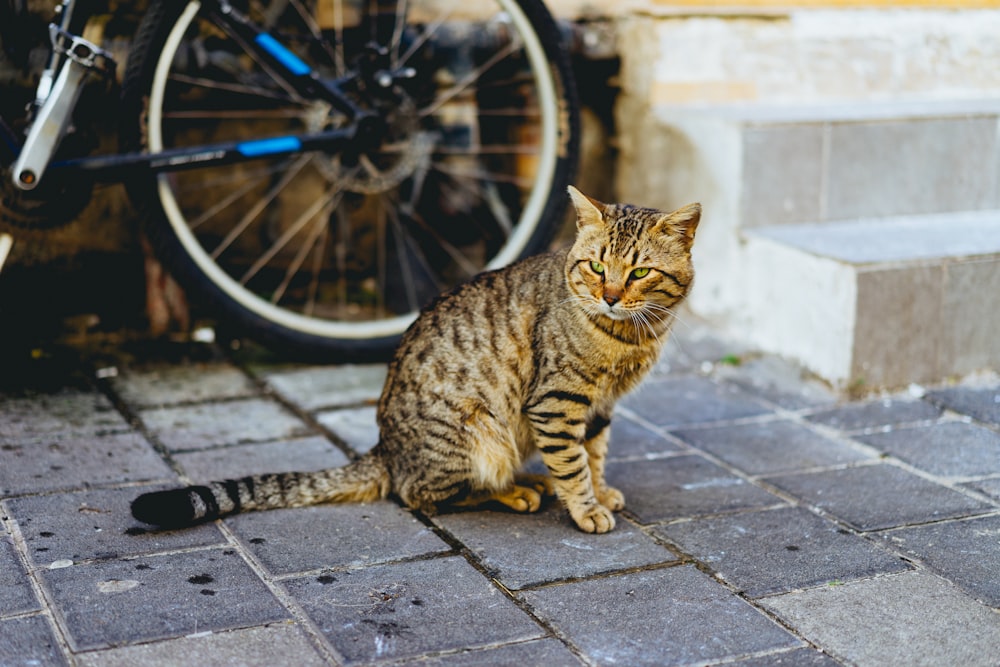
630 263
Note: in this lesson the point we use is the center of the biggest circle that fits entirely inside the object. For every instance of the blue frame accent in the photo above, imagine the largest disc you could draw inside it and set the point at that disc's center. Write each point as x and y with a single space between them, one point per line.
292 62
268 146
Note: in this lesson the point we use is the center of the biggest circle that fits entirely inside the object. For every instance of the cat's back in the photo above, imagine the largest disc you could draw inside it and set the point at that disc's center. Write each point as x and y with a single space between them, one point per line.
478 336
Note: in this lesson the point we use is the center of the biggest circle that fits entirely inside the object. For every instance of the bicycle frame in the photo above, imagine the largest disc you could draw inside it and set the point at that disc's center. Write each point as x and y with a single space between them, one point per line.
74 58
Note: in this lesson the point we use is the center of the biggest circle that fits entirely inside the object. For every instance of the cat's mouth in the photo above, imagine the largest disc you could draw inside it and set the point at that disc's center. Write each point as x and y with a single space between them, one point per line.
614 312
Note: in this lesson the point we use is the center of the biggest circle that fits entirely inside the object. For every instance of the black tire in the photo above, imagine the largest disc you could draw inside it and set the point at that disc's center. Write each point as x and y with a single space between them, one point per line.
472 177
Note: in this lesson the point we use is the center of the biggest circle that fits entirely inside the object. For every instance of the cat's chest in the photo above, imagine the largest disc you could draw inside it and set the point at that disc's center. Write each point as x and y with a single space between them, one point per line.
626 375
621 375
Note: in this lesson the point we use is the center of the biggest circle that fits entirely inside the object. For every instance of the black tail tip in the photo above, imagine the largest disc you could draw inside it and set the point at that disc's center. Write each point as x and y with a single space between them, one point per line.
167 509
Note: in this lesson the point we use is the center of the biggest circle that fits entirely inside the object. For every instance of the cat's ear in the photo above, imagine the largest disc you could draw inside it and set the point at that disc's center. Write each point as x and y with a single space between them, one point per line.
682 222
588 211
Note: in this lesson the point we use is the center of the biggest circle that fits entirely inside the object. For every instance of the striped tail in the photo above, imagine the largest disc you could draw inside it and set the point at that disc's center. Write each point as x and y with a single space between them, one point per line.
364 480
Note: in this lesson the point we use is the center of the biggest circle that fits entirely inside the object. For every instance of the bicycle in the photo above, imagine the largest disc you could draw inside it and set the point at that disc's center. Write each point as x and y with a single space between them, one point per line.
316 170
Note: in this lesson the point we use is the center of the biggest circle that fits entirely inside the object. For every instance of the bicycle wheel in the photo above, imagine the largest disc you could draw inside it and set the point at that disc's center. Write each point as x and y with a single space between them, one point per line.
333 255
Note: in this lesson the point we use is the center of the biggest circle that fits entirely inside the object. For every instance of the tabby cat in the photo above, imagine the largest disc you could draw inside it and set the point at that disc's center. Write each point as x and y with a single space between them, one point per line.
525 358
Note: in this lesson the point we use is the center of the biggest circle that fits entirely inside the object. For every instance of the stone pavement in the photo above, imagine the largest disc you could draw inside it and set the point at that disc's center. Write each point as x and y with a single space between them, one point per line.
768 523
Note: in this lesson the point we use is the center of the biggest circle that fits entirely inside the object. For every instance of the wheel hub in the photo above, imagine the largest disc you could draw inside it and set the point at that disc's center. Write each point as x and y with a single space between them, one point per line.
403 150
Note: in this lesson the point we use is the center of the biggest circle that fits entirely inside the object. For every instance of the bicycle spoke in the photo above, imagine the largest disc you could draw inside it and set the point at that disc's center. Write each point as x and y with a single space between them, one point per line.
526 112
505 149
309 21
226 175
327 204
501 214
319 255
397 29
262 204
481 175
339 62
240 88
244 114
404 256
429 31
340 257
226 201
468 268
467 80
303 252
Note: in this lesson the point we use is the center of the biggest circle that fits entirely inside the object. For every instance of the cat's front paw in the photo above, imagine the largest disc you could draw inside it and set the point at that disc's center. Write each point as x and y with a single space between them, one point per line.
595 519
611 498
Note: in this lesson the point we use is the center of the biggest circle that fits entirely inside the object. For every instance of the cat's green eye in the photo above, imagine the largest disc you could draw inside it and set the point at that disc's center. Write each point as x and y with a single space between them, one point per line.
640 273
597 267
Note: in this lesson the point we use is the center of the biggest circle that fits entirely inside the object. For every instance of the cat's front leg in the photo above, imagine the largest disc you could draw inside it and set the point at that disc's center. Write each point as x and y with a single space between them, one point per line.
559 424
596 444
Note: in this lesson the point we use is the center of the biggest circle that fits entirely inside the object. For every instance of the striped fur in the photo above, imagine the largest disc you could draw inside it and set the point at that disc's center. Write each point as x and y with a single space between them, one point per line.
528 358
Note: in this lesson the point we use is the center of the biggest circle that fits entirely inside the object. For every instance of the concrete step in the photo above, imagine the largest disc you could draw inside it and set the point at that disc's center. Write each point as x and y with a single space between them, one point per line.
914 185
877 303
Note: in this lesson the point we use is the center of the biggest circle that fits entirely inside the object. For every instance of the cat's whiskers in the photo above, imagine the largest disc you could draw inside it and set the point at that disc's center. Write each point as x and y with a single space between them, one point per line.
669 311
642 324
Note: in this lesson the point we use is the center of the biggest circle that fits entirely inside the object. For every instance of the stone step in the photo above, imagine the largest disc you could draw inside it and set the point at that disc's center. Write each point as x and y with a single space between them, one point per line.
819 183
877 303
855 161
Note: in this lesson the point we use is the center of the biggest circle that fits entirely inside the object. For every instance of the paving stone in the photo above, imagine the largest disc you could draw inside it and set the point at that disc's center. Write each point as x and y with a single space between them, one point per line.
777 381
683 486
16 595
982 403
527 549
800 657
298 454
29 641
670 616
319 387
691 346
912 618
229 423
168 385
109 603
879 496
77 460
883 412
96 524
64 414
334 536
679 401
633 440
249 647
355 426
548 652
779 550
966 552
773 446
949 449
991 487
404 610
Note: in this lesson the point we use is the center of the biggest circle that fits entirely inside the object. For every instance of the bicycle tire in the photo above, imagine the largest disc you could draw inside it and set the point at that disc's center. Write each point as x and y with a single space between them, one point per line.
407 183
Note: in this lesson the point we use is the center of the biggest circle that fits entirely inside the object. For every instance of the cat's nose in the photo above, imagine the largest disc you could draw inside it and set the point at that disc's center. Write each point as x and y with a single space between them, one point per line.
611 298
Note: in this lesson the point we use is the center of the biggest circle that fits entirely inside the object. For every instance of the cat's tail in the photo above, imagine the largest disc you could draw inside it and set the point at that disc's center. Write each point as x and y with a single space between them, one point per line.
364 480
